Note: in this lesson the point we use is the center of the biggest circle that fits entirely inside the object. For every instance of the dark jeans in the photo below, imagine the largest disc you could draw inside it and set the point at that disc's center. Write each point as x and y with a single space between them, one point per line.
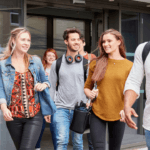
90 141
38 144
25 131
98 133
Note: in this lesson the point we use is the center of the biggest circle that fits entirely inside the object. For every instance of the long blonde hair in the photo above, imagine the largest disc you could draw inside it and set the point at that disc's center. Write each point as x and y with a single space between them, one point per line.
102 60
11 46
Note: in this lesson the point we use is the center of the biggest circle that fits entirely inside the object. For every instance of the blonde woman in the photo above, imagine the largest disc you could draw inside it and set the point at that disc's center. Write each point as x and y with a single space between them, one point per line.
23 85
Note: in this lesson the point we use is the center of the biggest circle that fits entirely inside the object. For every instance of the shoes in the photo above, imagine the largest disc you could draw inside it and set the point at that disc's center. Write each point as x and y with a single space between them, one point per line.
38 149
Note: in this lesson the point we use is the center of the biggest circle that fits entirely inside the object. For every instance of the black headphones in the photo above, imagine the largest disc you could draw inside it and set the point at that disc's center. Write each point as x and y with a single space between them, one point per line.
69 59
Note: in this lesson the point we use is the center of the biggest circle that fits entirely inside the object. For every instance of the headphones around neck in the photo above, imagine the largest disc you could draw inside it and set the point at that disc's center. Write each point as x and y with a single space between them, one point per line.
69 59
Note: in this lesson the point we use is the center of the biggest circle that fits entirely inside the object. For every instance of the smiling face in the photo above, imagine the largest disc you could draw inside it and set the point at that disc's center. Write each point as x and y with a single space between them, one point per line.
110 43
50 57
22 42
73 42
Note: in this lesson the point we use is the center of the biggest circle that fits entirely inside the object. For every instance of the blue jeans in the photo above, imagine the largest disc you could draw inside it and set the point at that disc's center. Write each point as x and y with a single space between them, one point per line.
147 136
61 123
90 141
38 144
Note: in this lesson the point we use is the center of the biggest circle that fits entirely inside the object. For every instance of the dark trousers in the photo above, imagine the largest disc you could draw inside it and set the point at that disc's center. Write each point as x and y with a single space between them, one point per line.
90 141
98 133
25 131
38 144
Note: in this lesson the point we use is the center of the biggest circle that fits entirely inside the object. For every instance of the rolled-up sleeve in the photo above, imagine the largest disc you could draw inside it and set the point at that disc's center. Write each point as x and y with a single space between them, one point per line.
136 74
43 77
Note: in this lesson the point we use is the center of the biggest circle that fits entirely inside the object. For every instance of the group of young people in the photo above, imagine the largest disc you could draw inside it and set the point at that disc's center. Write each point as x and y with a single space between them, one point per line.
32 92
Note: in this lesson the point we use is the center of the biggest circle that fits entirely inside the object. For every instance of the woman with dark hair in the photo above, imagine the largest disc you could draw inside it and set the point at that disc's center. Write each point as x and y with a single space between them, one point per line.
109 71
23 91
49 57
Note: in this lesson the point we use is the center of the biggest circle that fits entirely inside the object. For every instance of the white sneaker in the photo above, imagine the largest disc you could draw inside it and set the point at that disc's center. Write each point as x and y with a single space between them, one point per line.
38 149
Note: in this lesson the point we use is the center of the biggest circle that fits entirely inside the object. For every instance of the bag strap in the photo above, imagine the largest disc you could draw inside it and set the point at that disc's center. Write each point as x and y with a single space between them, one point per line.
58 64
146 51
85 65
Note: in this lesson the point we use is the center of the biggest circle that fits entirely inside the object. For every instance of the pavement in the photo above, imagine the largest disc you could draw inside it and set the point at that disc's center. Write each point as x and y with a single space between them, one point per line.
131 141
145 148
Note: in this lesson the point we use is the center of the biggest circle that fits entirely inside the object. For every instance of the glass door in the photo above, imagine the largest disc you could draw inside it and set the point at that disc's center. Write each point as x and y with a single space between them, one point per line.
37 26
59 26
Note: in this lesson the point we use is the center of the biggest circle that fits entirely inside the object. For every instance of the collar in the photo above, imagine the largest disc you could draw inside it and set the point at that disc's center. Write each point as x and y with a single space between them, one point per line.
8 61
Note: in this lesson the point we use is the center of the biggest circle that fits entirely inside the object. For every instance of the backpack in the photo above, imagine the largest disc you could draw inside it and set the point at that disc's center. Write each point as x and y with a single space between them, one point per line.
58 64
145 53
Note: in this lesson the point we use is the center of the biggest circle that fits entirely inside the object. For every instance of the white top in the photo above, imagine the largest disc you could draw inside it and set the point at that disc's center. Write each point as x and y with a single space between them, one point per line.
135 78
47 71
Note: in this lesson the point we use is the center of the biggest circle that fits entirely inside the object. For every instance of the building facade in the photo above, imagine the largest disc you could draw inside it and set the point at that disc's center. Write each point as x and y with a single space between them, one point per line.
47 19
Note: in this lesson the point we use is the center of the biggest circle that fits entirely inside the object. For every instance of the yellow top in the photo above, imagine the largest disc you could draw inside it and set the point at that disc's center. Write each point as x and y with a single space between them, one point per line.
110 98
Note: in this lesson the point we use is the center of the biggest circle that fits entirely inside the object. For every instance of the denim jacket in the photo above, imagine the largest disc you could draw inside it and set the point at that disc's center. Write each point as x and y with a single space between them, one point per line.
7 76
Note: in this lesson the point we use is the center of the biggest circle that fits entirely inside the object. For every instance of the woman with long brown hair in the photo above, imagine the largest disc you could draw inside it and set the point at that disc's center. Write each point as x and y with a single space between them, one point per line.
110 71
49 57
23 91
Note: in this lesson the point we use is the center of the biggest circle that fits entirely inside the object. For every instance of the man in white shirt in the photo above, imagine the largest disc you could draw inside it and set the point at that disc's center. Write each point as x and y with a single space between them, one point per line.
132 91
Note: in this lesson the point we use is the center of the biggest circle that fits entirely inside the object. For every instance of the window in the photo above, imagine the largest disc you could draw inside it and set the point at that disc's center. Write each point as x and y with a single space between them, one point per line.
6 26
37 26
129 30
14 19
60 25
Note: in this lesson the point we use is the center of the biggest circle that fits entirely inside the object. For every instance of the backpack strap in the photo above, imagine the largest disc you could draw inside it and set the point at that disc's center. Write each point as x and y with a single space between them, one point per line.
146 51
58 64
85 66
